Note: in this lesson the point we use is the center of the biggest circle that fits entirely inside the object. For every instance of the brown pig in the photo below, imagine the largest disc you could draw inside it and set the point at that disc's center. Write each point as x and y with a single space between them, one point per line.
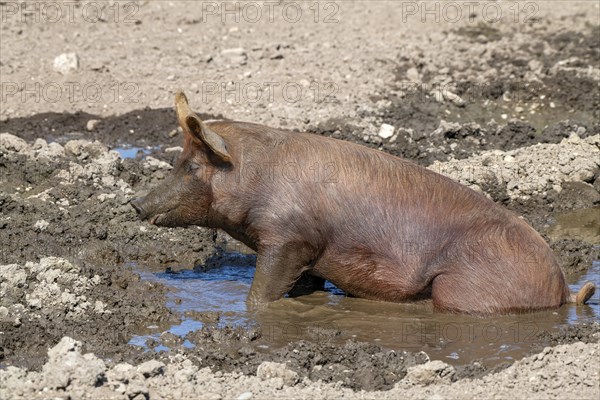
376 226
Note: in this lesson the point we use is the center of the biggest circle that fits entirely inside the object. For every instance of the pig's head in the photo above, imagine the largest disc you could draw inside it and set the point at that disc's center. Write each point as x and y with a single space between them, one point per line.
185 197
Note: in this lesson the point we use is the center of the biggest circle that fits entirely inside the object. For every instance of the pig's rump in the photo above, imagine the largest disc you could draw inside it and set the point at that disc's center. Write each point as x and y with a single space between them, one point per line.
464 276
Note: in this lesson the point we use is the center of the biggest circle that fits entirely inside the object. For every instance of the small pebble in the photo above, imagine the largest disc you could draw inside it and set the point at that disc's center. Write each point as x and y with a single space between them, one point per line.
92 124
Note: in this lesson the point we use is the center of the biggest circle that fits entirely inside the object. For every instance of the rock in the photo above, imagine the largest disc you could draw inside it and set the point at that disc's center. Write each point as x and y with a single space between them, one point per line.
10 142
39 144
12 377
57 262
386 131
66 63
84 148
40 225
99 307
454 98
446 129
535 65
66 364
65 345
75 147
436 396
12 274
52 151
413 75
245 396
432 372
137 390
238 51
122 372
235 56
92 124
151 368
270 370
153 163
102 197
95 149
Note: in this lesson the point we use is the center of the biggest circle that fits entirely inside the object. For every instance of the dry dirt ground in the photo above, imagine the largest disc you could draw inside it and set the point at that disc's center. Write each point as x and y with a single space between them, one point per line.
506 91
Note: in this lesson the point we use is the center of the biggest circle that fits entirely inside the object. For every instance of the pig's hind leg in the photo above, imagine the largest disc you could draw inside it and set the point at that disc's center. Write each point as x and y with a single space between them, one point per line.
483 294
277 270
459 293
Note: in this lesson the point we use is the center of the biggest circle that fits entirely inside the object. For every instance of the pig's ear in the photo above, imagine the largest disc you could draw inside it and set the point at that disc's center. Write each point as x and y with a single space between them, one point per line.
210 138
182 107
192 125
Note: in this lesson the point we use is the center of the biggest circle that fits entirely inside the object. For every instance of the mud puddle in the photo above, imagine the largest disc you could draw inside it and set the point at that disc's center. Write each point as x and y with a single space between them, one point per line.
216 297
581 224
527 112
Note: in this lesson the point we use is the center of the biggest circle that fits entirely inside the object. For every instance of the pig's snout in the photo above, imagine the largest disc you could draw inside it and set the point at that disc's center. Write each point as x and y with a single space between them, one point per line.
146 209
138 206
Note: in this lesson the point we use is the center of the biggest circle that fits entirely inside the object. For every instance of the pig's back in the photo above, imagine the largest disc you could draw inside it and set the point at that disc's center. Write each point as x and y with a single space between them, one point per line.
368 192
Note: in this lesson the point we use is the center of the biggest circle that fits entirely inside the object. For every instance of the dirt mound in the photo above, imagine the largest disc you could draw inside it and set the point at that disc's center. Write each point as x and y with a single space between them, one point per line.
568 368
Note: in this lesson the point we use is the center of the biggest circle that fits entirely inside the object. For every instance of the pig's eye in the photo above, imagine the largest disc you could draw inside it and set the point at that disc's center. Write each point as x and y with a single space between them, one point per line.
192 167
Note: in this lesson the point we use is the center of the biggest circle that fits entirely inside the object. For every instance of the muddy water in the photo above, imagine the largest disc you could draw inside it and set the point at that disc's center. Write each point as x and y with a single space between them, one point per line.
502 110
579 224
331 316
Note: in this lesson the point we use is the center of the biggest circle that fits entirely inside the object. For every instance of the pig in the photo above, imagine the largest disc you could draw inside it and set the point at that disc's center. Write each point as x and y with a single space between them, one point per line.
377 226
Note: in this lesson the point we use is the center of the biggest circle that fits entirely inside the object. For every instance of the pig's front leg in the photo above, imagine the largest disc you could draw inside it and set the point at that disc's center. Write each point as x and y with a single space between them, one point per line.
277 269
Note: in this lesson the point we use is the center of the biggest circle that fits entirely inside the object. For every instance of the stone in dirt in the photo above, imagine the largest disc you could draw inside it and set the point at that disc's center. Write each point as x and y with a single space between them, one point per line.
66 365
270 370
10 142
432 372
386 131
235 56
66 63
151 368
92 124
